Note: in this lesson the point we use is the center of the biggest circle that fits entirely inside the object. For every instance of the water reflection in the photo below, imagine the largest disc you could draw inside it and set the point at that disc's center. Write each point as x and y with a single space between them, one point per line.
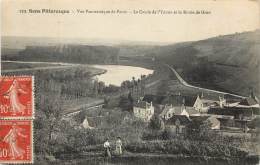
116 74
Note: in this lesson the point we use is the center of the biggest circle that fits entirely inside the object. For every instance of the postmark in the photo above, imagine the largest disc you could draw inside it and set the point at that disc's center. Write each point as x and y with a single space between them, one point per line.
16 141
16 97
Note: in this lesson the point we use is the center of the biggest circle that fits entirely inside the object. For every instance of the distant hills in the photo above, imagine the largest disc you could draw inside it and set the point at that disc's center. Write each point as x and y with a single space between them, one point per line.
230 62
67 53
13 42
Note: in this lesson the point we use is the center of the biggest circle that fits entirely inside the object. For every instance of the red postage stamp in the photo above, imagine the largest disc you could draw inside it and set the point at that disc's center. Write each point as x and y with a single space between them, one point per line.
16 142
16 96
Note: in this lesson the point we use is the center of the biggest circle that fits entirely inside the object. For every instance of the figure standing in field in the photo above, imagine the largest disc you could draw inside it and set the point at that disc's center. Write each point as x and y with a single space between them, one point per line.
107 148
12 94
11 138
119 146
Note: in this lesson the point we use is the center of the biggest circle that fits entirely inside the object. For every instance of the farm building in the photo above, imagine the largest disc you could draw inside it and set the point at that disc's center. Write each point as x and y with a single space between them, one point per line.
143 110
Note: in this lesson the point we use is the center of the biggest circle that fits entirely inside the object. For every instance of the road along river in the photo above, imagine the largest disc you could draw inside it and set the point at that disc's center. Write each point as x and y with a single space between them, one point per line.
115 74
183 82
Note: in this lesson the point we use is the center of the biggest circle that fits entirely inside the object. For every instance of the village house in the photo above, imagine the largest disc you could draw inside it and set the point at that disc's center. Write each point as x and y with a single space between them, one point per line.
247 108
211 120
240 113
248 102
203 104
177 125
214 122
179 120
188 111
143 110
169 111
157 100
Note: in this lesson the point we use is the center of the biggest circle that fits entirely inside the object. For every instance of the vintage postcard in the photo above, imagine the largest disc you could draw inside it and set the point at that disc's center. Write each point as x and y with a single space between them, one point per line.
130 82
16 145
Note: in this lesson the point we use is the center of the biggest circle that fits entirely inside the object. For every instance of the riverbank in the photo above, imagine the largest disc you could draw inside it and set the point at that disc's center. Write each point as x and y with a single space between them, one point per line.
116 74
144 63
96 71
10 67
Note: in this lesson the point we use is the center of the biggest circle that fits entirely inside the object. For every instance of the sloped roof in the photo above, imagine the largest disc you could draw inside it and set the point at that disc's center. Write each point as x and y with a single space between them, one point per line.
190 110
248 101
184 112
156 99
178 100
212 119
199 118
207 101
184 120
177 110
166 109
189 100
142 104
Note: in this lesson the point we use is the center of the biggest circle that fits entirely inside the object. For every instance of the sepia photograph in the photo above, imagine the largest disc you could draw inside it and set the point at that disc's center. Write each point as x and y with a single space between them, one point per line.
130 82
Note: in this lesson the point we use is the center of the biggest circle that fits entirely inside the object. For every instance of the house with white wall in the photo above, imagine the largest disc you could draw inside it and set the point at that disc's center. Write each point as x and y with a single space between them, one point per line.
143 110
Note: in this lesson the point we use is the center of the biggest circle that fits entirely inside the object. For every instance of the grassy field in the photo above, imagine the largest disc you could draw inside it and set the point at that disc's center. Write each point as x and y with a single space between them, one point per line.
170 85
77 104
33 68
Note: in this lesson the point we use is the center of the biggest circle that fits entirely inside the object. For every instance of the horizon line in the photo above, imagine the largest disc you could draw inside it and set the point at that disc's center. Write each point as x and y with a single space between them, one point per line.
129 41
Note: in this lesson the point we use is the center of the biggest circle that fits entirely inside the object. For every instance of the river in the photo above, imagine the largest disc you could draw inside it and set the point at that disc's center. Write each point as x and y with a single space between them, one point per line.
116 74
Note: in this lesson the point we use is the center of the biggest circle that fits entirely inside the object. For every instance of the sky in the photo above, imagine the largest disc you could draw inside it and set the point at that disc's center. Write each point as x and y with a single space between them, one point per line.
227 17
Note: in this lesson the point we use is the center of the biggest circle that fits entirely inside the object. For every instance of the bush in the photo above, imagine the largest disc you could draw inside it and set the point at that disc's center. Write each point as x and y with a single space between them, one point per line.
187 147
153 135
156 123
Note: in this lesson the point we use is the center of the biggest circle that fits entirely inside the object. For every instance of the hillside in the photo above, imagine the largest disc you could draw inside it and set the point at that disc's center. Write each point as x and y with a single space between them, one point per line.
135 50
228 63
67 53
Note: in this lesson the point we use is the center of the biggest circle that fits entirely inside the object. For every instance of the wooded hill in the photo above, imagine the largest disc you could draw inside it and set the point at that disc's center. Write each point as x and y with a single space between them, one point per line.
230 62
68 53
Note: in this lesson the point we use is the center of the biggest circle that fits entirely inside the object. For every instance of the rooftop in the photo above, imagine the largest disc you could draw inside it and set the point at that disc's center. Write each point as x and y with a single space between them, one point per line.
166 109
156 99
184 120
190 110
212 119
178 100
248 101
142 104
